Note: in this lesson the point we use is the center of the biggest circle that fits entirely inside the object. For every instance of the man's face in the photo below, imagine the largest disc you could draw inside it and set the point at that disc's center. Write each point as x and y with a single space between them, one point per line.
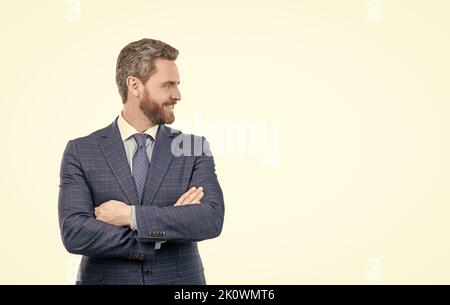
161 93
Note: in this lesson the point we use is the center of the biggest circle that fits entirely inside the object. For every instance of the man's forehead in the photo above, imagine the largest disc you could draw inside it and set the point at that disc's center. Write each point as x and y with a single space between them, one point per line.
166 70
165 63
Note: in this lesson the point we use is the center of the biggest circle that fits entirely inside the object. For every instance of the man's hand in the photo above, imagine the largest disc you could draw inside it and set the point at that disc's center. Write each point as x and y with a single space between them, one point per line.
119 214
192 196
114 212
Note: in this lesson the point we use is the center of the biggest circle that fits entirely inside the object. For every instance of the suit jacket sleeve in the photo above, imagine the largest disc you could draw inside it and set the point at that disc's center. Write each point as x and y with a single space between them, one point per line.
194 222
81 232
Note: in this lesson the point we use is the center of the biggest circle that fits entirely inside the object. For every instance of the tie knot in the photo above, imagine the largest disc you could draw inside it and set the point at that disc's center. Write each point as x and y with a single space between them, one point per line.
140 138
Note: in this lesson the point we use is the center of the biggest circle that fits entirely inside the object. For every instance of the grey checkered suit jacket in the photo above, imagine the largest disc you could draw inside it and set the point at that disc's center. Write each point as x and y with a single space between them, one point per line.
94 169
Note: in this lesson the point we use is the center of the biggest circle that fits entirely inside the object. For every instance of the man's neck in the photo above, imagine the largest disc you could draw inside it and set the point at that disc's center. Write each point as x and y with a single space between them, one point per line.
137 119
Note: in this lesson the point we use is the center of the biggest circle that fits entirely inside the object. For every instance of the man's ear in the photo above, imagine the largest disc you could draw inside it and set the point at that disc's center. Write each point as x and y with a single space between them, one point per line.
135 86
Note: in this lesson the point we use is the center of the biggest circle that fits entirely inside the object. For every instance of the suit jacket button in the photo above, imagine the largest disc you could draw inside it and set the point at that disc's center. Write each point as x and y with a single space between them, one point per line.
147 271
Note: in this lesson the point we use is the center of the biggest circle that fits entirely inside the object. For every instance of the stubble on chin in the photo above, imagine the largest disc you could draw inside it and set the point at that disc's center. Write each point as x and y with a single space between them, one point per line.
154 112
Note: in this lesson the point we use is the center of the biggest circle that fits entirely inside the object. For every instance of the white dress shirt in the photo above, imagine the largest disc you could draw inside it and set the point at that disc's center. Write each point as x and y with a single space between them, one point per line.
126 133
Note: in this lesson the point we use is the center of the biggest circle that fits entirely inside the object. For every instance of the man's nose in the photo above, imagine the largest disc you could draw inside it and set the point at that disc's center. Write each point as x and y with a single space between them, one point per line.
176 95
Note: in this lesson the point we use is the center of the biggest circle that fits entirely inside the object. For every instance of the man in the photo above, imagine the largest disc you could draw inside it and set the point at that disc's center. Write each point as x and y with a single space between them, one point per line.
136 197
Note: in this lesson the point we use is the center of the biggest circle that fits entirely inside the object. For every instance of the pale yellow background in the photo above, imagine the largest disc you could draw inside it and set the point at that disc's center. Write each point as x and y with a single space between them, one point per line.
360 192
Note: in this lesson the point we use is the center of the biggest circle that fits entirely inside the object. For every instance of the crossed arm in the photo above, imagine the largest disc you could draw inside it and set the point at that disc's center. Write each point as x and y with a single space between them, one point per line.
118 213
103 232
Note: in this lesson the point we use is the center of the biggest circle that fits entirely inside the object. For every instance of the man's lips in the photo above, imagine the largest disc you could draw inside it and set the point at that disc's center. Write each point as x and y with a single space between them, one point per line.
170 106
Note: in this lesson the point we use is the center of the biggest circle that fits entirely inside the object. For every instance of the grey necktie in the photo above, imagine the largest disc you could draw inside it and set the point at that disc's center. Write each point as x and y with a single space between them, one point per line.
140 163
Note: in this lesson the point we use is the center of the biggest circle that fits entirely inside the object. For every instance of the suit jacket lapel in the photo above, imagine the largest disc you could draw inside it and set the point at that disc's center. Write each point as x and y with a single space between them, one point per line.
114 152
161 158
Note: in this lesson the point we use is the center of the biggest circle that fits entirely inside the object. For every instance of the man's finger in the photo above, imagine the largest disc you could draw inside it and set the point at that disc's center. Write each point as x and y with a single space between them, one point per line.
180 200
191 197
197 199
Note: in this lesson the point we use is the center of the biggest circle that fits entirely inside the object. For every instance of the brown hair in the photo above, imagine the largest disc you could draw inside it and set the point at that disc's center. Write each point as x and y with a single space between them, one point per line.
137 59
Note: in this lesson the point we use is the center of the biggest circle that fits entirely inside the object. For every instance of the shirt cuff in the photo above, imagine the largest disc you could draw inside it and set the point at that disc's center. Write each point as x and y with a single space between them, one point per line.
133 225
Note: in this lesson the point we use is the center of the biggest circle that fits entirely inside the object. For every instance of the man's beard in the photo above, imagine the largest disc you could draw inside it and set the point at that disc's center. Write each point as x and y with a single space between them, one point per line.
156 113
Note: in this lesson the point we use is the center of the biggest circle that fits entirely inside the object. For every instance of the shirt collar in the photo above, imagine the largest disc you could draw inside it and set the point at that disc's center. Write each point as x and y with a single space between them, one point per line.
127 130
